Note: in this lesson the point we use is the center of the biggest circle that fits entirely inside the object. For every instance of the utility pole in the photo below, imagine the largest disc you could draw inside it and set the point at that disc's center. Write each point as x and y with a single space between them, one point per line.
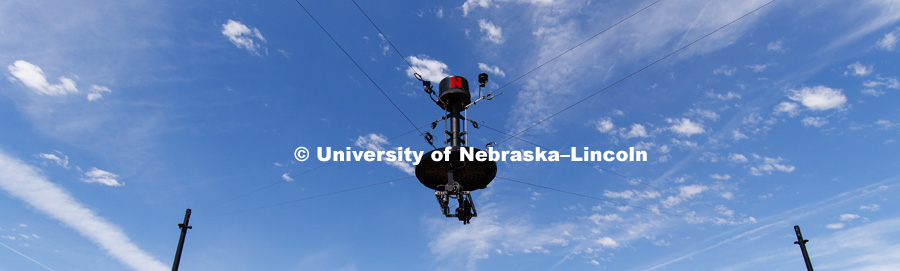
802 243
184 227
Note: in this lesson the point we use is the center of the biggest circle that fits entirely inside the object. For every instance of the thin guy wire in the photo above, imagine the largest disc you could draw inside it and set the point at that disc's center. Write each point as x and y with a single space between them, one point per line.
601 168
576 46
298 174
314 197
583 162
358 66
638 71
592 197
385 37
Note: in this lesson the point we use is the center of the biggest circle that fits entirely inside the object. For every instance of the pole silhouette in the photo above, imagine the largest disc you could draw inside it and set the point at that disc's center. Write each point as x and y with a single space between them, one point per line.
802 243
184 227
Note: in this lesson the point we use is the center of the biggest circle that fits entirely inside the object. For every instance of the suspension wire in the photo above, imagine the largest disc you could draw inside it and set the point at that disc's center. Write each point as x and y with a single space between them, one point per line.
652 210
385 37
417 128
623 176
639 70
583 162
576 46
358 66
297 174
313 197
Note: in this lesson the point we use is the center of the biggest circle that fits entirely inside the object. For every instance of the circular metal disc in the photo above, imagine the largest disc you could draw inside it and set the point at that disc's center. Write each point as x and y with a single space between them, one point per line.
471 175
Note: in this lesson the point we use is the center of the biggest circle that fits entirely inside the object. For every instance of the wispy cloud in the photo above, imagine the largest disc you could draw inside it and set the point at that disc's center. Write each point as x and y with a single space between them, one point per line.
243 36
775 46
889 41
33 77
819 98
23 181
767 166
685 127
491 69
286 177
491 32
429 69
376 142
96 175
637 130
814 121
725 70
61 161
858 69
96 92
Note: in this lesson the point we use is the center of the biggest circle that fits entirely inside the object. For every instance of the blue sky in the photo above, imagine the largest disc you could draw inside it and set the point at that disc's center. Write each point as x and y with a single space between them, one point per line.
118 115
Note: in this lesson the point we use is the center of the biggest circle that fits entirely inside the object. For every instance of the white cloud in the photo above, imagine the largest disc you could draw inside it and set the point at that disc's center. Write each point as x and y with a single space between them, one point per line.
599 219
33 77
95 92
710 156
608 242
770 165
737 135
814 121
631 194
637 130
64 161
286 177
471 4
737 158
723 210
684 143
725 97
849 217
858 69
727 195
491 69
889 41
789 108
429 69
685 127
819 97
888 82
439 13
284 53
873 207
691 190
885 124
604 125
720 177
24 182
757 67
684 193
103 177
243 36
872 92
725 70
489 233
835 226
554 32
775 46
707 114
376 142
492 32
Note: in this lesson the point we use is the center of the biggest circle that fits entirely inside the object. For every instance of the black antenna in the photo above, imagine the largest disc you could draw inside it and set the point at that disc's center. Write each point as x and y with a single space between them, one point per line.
184 227
802 243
